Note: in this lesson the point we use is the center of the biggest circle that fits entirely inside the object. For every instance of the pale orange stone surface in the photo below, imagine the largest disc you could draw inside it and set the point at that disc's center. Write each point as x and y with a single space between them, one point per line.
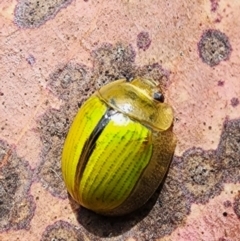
207 222
175 28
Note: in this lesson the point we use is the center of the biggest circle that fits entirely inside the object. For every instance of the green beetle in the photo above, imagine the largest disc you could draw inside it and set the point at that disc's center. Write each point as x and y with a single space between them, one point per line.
119 147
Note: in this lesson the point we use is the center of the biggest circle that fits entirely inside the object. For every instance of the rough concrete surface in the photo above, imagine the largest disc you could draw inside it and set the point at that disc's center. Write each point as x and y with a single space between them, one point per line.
55 54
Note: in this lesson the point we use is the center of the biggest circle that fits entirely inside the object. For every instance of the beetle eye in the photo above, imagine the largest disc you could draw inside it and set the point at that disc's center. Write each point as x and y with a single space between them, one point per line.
129 77
158 96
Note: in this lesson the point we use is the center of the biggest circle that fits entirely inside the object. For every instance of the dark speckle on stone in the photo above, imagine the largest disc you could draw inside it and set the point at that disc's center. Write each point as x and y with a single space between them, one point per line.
31 59
225 214
221 83
143 40
218 19
214 5
234 102
214 47
223 239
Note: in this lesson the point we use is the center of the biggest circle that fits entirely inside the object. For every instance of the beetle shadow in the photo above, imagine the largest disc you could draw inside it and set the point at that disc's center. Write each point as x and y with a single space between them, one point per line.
103 226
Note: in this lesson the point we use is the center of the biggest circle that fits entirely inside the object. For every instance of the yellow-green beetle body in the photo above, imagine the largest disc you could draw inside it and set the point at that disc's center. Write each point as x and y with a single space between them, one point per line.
119 147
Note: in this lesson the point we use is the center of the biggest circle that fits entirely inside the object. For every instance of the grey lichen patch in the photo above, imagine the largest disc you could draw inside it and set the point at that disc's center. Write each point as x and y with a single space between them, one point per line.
34 13
62 231
155 71
170 210
112 63
214 47
118 61
15 181
228 151
204 172
201 175
22 213
143 40
53 125
236 205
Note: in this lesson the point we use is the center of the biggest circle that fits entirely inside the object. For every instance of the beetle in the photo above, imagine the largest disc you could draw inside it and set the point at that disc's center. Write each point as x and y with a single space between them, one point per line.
119 147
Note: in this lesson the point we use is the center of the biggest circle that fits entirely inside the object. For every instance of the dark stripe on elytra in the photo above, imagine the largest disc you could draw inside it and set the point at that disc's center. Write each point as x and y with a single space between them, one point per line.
99 183
90 145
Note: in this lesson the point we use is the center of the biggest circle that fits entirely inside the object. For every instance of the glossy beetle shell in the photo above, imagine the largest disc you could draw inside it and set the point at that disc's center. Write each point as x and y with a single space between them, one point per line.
119 147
